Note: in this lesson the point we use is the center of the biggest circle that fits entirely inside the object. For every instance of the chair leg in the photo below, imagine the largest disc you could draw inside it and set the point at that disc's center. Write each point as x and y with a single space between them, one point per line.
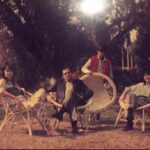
56 124
86 120
41 124
120 114
81 118
143 120
13 121
7 118
136 120
29 124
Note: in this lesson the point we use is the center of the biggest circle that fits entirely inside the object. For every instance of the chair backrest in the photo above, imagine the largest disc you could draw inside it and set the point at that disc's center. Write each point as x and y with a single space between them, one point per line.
101 99
34 99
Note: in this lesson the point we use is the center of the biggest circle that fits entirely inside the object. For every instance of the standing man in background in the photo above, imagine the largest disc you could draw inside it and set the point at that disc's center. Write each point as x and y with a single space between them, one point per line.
100 64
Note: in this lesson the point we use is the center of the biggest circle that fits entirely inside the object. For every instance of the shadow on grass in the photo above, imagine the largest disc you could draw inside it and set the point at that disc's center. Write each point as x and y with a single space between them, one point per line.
43 133
104 125
39 133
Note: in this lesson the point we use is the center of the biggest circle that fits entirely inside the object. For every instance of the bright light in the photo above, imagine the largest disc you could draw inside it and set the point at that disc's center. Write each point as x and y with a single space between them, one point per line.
93 6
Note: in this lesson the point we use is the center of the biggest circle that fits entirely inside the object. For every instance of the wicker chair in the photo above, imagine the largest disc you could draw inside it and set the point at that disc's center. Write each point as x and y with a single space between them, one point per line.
140 112
14 108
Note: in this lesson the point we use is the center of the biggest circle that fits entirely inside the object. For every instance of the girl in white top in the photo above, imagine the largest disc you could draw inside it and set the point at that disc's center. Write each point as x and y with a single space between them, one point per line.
135 96
12 91
141 89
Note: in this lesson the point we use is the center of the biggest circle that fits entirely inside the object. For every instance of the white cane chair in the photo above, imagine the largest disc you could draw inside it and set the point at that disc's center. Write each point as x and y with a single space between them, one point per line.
15 108
139 116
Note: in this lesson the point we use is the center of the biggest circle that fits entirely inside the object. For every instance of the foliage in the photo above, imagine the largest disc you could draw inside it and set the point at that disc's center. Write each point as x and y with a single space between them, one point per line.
46 34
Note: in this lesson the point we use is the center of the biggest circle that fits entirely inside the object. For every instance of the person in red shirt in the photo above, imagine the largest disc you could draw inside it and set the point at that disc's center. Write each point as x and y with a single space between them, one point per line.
100 64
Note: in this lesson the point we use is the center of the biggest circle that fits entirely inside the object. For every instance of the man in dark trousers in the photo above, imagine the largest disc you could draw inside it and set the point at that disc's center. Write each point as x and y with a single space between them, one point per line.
70 93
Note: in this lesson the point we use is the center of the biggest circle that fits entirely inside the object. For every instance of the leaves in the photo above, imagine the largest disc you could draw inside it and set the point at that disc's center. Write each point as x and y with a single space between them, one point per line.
51 33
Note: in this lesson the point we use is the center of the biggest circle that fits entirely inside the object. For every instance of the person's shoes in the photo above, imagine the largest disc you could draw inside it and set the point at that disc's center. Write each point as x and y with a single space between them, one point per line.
74 128
75 131
128 128
58 116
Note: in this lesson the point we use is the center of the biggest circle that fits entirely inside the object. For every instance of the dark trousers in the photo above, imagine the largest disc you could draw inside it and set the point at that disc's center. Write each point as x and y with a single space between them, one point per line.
70 106
138 101
130 117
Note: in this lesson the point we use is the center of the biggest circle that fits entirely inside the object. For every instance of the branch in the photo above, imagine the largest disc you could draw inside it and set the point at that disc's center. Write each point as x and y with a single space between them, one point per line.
13 22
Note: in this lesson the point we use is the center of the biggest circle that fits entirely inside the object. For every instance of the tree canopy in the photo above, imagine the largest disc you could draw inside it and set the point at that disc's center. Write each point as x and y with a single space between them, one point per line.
43 35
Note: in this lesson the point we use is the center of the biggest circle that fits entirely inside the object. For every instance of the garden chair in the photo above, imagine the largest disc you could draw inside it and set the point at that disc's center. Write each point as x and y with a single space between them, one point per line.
140 113
16 109
102 98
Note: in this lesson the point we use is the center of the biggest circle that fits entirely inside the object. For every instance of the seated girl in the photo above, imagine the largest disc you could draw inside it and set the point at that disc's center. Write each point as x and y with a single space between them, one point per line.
13 91
135 96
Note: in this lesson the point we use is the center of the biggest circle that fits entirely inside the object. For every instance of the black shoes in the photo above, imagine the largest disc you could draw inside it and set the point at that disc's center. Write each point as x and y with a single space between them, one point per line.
75 131
74 128
129 125
58 116
128 128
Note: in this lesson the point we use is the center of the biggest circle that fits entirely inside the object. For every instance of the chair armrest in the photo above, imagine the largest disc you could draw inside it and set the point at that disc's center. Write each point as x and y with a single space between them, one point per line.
7 94
28 93
53 101
143 107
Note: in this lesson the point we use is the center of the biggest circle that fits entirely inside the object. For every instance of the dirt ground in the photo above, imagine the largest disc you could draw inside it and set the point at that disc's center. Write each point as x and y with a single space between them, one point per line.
102 135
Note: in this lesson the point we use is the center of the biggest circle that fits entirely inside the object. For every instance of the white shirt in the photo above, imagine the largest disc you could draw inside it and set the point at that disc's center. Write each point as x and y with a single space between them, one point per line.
69 88
68 92
139 89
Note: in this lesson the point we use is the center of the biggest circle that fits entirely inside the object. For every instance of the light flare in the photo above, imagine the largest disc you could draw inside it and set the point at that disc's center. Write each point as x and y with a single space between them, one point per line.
93 6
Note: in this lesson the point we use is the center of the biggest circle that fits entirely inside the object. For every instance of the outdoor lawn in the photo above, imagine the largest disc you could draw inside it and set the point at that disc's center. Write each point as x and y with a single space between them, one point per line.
100 136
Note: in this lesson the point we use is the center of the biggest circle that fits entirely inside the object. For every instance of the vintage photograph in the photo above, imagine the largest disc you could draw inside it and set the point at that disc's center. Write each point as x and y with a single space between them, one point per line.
74 74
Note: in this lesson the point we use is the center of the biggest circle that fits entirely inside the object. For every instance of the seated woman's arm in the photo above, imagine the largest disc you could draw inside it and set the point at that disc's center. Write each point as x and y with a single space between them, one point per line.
3 90
127 90
5 93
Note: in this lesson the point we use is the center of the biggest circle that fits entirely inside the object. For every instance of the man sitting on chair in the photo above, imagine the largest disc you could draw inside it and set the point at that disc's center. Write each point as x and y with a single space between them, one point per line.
135 96
70 93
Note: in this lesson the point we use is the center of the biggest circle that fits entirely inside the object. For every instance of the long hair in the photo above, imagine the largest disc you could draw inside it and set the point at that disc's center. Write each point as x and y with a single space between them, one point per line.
146 70
11 68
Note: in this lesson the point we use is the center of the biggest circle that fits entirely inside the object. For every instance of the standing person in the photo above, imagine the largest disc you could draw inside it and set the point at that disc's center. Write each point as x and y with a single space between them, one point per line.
135 96
70 93
98 63
12 90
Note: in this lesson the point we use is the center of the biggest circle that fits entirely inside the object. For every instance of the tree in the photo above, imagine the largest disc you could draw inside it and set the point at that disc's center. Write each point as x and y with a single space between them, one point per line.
51 33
